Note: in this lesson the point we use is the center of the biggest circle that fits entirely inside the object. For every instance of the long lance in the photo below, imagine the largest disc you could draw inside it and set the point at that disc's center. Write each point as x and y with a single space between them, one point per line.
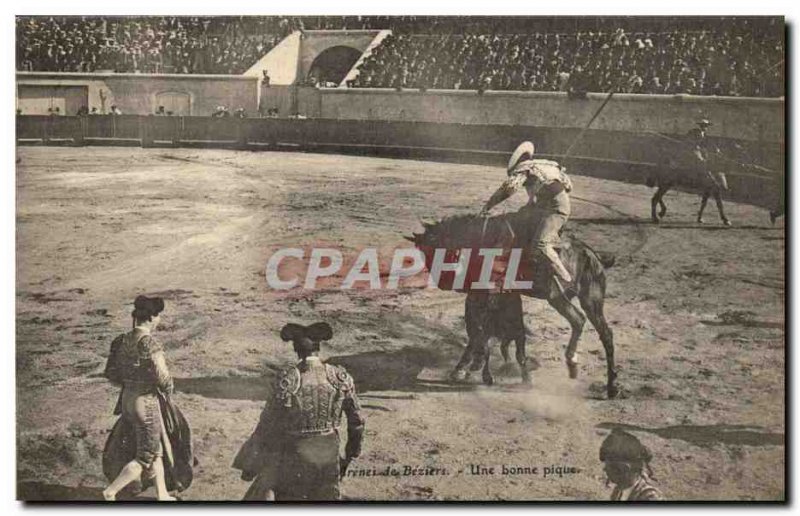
591 121
569 149
687 145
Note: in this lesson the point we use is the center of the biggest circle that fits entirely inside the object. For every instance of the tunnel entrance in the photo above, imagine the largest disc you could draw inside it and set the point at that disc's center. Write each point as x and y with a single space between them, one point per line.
331 66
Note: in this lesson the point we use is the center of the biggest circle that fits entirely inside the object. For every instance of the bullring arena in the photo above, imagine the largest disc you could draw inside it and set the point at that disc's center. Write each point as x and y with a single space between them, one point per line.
697 310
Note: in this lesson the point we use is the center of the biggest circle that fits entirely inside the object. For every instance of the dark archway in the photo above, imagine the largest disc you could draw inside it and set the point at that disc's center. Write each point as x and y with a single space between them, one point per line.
332 64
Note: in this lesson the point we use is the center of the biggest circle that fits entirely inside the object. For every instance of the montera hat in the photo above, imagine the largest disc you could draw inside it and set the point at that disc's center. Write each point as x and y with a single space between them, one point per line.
315 332
306 339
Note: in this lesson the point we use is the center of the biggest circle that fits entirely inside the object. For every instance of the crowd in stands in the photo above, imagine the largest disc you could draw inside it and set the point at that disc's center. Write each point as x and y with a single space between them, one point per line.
164 44
210 45
702 56
698 63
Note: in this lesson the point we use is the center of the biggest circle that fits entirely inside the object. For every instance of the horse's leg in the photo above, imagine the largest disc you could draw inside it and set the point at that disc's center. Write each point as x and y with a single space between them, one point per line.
486 374
522 360
658 199
504 349
480 359
474 319
576 321
460 371
720 208
703 202
592 299
653 203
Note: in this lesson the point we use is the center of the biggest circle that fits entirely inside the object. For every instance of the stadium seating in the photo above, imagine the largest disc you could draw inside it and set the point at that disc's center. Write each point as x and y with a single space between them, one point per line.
213 45
699 63
739 57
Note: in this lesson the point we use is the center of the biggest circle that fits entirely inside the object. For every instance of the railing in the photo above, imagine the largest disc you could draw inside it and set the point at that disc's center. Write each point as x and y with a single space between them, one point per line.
617 155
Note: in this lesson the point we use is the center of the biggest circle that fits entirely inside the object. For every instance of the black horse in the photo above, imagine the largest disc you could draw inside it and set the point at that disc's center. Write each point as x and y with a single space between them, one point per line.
510 230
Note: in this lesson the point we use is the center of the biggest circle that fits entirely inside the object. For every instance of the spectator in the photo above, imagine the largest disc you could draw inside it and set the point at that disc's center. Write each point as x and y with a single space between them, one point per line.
674 62
220 112
115 110
740 56
145 44
577 85
161 111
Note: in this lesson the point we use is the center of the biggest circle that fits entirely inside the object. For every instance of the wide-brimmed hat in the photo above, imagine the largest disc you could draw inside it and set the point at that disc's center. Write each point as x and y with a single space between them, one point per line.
620 446
524 151
704 121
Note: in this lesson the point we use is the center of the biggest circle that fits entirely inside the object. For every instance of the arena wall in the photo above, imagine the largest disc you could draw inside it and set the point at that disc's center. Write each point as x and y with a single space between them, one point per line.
631 128
634 137
137 94
755 119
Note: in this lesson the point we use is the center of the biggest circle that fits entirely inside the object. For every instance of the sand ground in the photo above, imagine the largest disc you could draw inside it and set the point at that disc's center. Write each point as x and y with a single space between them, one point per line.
697 313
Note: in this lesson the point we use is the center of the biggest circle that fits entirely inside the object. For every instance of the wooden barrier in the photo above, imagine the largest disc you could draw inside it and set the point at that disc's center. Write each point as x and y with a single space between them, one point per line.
616 155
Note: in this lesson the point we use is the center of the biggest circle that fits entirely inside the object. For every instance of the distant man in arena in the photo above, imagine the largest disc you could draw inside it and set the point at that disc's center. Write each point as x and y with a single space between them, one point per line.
548 188
627 465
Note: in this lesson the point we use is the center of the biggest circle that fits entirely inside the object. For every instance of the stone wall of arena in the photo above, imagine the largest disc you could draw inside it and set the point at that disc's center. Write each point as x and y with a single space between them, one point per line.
756 119
634 137
135 94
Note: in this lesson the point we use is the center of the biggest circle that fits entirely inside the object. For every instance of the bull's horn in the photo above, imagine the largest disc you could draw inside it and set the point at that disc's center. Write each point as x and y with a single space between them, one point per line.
410 239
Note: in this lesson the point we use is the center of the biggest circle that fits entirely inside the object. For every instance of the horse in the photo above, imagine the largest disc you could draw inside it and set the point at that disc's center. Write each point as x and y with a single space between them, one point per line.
708 183
510 230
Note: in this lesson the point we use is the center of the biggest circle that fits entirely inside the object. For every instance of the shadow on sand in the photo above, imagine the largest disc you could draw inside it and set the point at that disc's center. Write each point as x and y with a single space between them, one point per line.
396 371
372 370
254 388
707 435
435 347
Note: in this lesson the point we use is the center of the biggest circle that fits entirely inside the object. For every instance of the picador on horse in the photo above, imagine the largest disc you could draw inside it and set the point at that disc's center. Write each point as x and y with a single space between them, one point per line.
554 271
549 208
